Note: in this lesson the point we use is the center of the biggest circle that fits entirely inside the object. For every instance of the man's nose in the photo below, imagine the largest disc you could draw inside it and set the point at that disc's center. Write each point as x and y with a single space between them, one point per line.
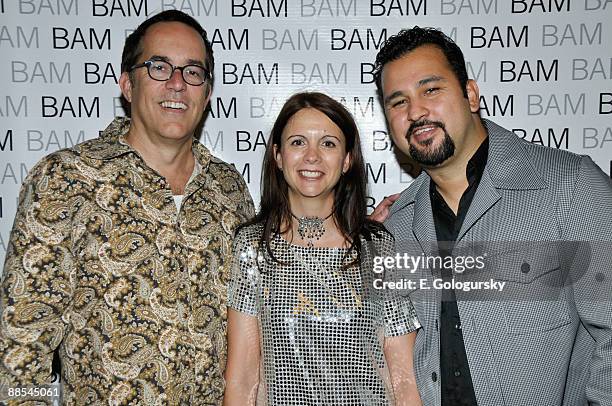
176 81
417 111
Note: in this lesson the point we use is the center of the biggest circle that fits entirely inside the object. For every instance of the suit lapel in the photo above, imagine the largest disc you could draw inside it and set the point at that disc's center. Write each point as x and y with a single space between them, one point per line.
486 196
423 225
508 167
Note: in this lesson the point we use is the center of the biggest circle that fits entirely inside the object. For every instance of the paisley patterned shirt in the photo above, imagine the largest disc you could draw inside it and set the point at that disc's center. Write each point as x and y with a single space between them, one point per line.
133 292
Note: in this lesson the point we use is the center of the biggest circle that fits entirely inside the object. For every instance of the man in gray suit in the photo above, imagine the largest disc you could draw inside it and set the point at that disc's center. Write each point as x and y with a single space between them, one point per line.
541 219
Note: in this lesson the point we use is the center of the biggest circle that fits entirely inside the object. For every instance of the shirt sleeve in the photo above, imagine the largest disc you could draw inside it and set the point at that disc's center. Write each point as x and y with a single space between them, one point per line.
37 281
246 208
243 285
399 314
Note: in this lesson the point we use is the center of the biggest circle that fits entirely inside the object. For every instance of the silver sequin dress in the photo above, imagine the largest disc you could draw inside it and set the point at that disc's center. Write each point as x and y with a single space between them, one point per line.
321 326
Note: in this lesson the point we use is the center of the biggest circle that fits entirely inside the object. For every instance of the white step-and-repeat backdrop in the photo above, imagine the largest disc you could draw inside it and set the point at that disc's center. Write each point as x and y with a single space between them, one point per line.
544 68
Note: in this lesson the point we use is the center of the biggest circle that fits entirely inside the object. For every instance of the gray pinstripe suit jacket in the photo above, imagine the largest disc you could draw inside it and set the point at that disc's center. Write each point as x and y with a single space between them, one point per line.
524 352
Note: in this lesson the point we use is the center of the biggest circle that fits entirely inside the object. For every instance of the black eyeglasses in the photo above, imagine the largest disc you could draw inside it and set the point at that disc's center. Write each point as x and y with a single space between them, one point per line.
194 75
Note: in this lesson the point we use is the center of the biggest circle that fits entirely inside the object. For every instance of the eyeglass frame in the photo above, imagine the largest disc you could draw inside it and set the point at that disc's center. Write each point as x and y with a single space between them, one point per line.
147 64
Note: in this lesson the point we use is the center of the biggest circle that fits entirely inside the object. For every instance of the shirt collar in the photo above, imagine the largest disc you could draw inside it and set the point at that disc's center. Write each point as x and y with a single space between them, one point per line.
111 144
478 161
475 166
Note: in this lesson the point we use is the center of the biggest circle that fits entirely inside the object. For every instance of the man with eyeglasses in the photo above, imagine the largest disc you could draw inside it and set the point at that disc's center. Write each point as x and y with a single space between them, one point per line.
120 250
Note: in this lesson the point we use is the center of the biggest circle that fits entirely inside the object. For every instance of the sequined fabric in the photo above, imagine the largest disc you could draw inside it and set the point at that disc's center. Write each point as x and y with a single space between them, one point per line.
101 264
321 326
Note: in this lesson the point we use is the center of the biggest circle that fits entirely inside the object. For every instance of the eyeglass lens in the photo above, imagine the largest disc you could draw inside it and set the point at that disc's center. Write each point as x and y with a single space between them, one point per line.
192 74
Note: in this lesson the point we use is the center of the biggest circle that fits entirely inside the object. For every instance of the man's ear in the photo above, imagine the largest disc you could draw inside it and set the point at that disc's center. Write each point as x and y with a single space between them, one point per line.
125 83
208 94
473 95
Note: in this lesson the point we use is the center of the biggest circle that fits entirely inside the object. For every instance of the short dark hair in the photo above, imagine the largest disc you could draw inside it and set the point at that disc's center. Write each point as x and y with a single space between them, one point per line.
408 40
132 49
350 208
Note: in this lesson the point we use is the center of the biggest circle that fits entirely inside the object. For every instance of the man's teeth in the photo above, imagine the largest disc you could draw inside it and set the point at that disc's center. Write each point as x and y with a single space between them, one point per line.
174 105
423 129
310 174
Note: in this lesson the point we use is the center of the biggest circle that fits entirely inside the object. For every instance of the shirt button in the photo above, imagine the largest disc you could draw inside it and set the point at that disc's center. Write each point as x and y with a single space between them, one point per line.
457 373
525 267
434 376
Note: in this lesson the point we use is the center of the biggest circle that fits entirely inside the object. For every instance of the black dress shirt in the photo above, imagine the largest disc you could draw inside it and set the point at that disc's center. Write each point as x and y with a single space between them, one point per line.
456 380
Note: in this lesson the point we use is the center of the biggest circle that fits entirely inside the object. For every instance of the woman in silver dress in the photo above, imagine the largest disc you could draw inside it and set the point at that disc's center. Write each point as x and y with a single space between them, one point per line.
305 326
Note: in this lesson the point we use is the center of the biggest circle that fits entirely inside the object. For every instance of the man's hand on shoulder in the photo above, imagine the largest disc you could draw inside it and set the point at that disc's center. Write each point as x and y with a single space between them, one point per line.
381 212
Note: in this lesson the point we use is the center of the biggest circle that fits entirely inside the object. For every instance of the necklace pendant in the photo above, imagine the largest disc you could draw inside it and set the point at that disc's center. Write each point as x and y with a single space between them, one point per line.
310 229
